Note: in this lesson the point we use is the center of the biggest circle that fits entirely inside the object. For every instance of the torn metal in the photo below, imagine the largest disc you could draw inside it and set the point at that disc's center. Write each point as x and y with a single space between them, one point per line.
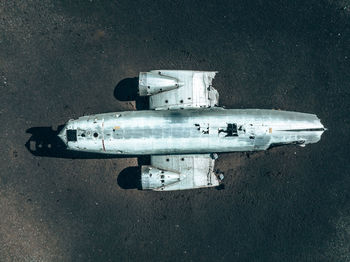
185 128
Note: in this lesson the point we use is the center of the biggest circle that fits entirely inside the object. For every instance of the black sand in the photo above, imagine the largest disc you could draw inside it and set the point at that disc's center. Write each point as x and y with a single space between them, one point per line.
63 59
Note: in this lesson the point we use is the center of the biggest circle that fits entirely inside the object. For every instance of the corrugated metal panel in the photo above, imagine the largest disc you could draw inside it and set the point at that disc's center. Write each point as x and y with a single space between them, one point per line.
194 89
197 170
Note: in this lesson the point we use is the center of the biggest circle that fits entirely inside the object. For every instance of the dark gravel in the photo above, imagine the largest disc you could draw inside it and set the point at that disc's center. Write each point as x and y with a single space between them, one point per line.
63 59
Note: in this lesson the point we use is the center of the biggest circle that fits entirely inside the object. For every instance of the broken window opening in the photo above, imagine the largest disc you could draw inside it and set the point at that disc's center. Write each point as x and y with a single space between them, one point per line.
72 135
241 128
205 130
231 130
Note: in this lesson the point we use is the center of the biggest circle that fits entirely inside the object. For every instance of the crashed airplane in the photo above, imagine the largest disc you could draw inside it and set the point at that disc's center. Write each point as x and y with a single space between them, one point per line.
185 129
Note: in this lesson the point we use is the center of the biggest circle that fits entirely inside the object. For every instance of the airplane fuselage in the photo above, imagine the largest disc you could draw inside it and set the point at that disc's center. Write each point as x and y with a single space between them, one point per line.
205 130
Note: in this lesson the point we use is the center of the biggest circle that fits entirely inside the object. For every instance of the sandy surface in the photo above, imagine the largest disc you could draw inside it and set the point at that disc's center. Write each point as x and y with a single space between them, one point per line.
63 59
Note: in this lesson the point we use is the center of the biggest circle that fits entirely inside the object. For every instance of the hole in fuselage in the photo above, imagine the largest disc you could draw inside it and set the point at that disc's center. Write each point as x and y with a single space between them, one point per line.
95 134
72 135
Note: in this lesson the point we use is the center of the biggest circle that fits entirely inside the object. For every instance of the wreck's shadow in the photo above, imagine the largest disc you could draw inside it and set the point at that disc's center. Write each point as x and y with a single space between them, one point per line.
130 177
127 90
44 142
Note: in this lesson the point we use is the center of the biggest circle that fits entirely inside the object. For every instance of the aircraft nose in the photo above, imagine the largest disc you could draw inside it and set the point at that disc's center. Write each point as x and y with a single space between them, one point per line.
63 135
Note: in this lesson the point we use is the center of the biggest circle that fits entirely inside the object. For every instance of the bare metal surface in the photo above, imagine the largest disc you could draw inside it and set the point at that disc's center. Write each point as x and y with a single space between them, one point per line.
154 178
197 170
151 83
196 128
194 90
190 131
193 171
64 59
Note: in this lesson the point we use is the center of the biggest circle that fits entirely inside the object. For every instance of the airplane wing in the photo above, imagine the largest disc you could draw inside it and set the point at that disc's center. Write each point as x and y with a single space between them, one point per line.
179 172
178 89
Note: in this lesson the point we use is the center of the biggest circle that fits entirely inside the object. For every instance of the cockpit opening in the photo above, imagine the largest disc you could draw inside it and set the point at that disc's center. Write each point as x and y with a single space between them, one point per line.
72 135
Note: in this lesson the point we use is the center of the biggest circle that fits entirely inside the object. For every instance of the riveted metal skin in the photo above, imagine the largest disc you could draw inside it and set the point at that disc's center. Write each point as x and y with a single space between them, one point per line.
186 129
191 131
